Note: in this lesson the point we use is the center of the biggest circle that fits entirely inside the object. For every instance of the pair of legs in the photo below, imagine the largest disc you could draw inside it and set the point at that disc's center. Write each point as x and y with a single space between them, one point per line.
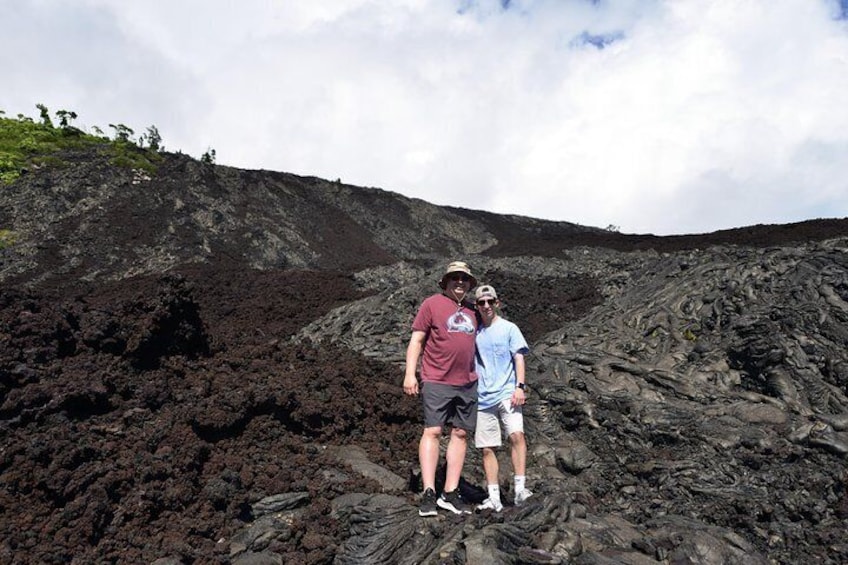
428 456
518 452
445 404
491 423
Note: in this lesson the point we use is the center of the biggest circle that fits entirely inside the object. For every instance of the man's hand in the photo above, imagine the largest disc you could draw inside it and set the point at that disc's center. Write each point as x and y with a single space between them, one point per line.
410 385
518 397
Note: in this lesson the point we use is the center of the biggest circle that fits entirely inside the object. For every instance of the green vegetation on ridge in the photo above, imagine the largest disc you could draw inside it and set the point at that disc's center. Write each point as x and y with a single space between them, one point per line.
26 143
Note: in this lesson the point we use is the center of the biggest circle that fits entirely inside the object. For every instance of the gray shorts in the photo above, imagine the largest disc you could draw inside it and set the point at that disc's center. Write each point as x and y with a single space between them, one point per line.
490 420
450 404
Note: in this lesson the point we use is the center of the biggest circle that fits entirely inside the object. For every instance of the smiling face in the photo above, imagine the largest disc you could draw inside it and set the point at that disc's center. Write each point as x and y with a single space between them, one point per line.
487 308
456 285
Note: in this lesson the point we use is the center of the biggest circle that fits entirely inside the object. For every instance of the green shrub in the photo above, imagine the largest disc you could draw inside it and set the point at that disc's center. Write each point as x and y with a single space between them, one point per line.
131 156
208 157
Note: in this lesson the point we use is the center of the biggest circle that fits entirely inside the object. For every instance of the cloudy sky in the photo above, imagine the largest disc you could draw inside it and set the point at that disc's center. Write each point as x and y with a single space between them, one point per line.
654 116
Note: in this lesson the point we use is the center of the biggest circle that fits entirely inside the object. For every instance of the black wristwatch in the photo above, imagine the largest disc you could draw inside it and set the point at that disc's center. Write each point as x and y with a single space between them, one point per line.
522 386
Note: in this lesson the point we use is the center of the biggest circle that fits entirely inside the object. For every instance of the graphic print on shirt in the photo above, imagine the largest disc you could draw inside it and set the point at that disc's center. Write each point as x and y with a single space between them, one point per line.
461 323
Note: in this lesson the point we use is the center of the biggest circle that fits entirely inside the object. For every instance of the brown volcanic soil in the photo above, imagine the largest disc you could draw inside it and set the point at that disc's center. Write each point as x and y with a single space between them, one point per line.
140 419
139 422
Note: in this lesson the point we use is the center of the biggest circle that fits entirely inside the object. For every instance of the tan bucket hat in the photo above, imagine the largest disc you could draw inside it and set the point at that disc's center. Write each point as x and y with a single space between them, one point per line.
457 267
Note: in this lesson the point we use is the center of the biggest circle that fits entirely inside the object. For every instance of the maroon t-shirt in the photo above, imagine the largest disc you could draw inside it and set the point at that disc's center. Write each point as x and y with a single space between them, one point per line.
448 355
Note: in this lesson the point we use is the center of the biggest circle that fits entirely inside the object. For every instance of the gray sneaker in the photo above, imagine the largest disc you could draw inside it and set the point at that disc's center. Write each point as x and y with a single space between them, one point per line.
453 502
428 504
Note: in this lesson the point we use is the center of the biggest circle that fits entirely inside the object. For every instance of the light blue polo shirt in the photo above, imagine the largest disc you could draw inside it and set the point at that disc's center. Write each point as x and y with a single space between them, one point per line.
495 367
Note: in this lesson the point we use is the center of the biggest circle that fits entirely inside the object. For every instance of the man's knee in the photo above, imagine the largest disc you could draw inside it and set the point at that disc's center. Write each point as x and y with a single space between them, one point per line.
517 438
459 434
433 432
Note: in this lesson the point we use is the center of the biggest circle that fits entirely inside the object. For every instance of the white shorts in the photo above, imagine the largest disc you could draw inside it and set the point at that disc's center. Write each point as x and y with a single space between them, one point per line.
490 420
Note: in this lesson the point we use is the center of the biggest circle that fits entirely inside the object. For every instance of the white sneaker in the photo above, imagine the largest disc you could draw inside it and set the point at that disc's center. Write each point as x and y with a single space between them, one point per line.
521 496
490 504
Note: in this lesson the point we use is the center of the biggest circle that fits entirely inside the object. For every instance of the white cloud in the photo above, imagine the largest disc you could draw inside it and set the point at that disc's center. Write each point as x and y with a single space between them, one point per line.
657 116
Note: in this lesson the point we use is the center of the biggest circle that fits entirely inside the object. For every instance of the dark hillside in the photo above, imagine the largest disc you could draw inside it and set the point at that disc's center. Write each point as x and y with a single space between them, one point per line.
518 235
200 364
85 219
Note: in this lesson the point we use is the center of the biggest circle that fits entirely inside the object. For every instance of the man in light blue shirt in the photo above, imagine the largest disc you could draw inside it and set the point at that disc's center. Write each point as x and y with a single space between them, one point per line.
500 395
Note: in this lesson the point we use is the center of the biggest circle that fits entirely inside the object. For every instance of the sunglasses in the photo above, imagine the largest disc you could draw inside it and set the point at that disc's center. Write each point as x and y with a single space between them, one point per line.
486 302
463 278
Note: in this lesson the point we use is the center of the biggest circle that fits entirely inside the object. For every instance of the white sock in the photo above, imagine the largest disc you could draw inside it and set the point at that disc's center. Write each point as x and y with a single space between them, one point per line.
494 492
519 483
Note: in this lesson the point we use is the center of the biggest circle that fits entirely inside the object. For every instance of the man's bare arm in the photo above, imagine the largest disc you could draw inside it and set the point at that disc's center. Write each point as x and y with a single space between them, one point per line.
519 397
413 353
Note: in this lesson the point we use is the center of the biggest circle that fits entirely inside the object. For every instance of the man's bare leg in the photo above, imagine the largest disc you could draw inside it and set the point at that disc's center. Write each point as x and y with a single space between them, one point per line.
455 458
519 453
490 465
519 463
428 455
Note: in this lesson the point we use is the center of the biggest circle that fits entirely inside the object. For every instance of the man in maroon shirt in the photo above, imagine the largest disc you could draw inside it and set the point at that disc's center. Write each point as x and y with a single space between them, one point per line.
444 331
